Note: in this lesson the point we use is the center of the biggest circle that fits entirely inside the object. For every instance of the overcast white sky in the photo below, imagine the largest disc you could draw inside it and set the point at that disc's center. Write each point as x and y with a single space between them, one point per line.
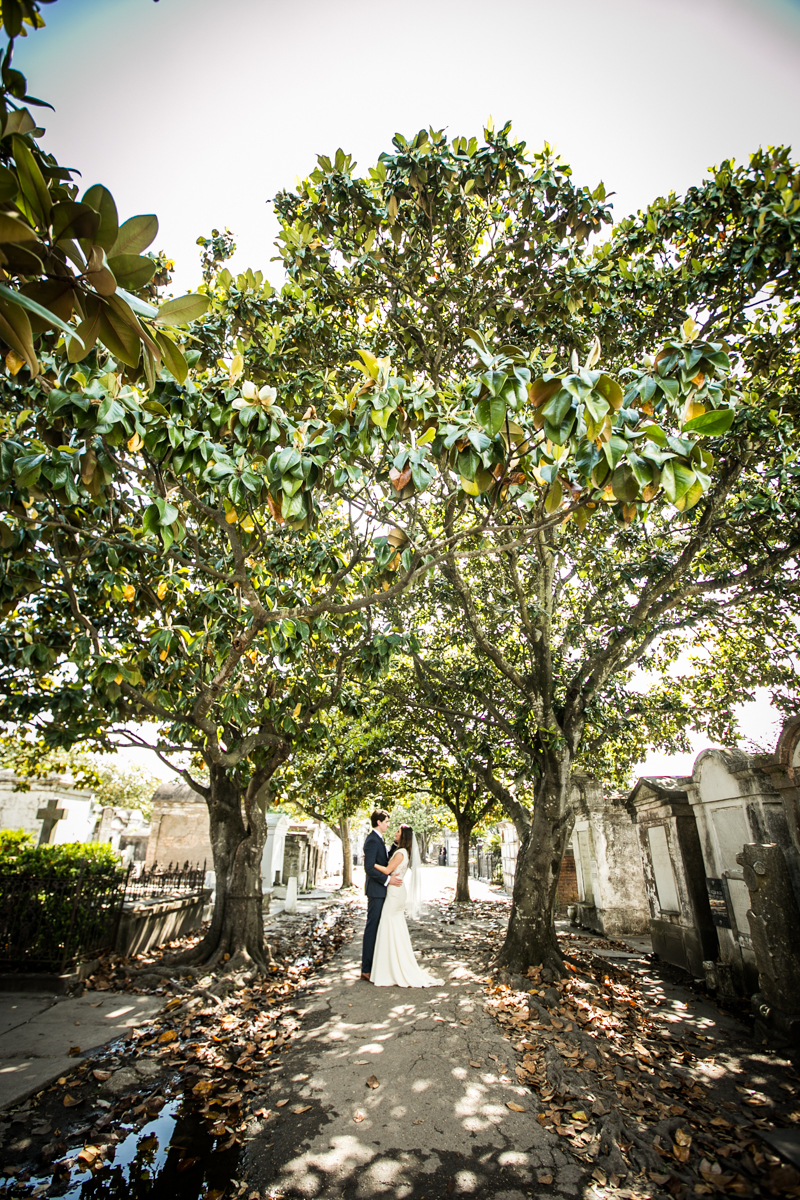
200 111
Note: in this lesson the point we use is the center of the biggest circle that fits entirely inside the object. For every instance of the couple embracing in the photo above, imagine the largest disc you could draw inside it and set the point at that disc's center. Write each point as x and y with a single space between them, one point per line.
387 957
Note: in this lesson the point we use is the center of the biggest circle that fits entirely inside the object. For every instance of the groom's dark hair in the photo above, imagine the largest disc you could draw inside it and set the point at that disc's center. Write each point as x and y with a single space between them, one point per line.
380 814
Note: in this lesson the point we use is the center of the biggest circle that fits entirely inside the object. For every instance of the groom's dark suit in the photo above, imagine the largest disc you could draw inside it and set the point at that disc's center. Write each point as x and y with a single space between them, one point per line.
375 887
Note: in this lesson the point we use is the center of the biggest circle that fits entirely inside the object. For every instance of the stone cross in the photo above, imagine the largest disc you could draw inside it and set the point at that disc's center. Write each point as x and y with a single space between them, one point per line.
49 816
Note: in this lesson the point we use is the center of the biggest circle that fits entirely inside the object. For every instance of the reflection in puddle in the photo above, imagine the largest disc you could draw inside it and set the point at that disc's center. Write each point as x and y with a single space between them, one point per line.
172 1155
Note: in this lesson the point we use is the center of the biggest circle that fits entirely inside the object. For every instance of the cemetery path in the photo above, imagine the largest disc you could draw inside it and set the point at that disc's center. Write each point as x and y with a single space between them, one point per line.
403 1093
43 1037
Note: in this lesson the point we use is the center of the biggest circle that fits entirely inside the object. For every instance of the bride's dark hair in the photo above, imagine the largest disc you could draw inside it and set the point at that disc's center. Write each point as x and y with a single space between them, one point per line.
404 841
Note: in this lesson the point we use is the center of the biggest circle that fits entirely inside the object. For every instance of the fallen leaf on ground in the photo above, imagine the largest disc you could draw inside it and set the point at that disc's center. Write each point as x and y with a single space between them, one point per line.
70 1101
549 1179
169 1036
475 1064
358 1117
373 1082
514 1107
281 1103
301 1108
101 1076
73 1050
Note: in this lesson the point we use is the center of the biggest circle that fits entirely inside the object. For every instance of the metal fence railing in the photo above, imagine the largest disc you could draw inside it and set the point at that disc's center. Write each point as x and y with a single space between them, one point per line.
49 922
487 866
186 880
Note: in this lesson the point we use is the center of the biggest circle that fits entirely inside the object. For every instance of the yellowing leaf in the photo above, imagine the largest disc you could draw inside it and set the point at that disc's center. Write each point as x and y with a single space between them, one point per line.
296 710
162 589
14 362
168 1036
134 443
129 592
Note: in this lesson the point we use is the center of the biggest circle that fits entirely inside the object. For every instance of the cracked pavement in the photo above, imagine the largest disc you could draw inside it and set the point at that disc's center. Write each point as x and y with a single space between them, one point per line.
437 1124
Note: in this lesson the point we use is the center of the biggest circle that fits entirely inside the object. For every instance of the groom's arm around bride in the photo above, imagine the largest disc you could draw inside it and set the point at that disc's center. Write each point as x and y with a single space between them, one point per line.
374 886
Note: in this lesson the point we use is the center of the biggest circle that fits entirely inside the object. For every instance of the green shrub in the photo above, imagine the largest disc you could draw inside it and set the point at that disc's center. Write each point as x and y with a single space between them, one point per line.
20 856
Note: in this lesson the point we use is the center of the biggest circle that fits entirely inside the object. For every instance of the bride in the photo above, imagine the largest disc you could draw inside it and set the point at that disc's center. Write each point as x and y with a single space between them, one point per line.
394 962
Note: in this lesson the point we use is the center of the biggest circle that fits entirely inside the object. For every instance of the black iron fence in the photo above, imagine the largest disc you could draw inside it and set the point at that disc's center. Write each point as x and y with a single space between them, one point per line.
486 865
186 880
48 922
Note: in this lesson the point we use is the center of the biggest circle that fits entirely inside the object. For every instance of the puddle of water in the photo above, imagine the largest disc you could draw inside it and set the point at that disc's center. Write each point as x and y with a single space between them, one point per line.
172 1155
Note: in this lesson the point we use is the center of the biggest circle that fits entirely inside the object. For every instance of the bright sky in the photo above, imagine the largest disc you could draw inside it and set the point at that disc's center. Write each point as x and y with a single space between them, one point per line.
201 111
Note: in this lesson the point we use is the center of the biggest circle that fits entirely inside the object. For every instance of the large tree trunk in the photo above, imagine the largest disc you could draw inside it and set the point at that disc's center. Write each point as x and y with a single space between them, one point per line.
238 833
347 853
465 828
531 937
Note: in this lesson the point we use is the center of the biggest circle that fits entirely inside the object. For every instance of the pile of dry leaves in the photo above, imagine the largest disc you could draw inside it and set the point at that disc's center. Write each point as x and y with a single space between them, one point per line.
650 1104
208 1053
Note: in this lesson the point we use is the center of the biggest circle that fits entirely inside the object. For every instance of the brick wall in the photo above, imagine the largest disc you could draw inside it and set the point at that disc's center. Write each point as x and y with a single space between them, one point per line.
567 891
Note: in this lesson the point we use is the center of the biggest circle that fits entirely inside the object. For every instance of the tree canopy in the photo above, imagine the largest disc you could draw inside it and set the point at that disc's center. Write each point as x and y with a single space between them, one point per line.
470 396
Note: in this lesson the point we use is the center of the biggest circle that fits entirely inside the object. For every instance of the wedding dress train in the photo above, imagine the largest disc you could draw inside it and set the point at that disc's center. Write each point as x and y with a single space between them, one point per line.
395 963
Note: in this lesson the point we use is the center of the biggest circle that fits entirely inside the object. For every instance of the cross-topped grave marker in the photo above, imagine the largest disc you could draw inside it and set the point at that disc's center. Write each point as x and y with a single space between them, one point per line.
49 816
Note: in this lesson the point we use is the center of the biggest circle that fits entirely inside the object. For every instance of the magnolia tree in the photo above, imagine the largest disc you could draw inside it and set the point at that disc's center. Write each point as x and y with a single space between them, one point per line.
629 448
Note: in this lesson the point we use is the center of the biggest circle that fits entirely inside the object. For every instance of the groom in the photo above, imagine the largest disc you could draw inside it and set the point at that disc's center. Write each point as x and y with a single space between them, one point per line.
375 886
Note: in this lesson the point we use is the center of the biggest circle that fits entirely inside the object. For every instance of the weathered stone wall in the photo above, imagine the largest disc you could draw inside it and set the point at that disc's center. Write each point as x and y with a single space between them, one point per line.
735 803
179 827
608 862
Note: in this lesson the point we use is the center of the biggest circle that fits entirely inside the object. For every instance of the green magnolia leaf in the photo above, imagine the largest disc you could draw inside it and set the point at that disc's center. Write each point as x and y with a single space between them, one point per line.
676 480
100 199
118 337
540 391
70 219
156 407
13 230
690 498
44 313
135 235
183 309
610 390
132 270
31 180
15 330
173 359
497 410
18 121
557 407
554 497
9 185
711 424
27 469
624 484
140 307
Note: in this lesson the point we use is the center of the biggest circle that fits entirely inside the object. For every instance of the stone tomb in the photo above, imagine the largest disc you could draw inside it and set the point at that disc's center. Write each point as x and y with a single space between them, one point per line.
53 810
681 922
735 803
608 864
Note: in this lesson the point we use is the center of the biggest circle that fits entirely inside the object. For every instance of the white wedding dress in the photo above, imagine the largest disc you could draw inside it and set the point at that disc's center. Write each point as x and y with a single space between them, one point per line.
395 964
